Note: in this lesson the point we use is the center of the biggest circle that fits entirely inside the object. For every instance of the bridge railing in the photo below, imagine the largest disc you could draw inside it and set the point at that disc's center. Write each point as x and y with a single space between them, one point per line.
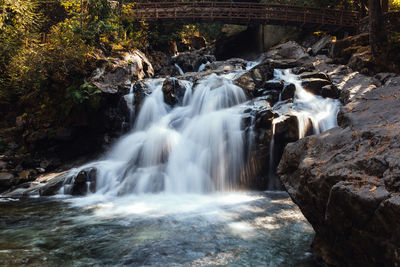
244 13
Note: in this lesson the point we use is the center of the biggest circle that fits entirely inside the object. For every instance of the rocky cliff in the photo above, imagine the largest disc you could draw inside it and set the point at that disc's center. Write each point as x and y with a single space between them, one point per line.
346 181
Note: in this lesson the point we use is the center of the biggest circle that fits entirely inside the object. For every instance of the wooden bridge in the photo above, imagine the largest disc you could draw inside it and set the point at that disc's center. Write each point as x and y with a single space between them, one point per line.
245 13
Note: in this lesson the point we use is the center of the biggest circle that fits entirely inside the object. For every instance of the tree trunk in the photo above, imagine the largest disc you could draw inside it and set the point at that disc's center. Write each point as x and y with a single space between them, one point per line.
385 5
377 33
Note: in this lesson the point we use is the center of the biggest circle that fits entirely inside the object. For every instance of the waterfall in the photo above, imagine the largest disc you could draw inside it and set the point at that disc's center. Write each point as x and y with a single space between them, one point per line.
311 110
200 145
193 148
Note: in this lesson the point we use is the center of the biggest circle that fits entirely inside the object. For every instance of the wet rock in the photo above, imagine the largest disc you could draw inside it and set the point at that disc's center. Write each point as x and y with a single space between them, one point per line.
191 61
330 91
274 85
80 183
227 65
53 185
288 91
7 180
302 69
255 78
162 64
346 180
287 129
174 91
314 85
140 91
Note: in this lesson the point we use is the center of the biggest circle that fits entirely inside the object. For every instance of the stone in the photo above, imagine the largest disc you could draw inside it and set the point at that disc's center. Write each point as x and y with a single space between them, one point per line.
162 64
255 78
323 45
360 61
383 77
191 61
287 129
314 85
27 175
121 70
80 183
53 185
174 91
346 180
198 42
3 165
288 91
302 69
227 65
337 48
317 75
288 50
7 180
273 85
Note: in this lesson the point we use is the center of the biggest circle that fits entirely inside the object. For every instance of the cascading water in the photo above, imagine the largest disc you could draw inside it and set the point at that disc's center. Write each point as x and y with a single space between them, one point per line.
311 111
193 148
180 153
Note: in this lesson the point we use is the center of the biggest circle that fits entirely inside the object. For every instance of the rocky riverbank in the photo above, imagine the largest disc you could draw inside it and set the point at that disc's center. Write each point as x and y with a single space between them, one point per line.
344 180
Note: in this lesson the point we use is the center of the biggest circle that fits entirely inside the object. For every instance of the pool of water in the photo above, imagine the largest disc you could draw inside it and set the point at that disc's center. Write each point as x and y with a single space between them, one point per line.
231 229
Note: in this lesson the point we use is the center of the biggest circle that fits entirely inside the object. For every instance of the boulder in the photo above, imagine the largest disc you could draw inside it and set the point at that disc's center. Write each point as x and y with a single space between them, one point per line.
288 91
198 42
274 85
288 50
255 78
7 180
323 45
314 85
361 60
191 61
337 48
53 185
287 129
227 66
85 180
330 91
317 75
122 70
174 91
346 180
27 175
162 64
3 165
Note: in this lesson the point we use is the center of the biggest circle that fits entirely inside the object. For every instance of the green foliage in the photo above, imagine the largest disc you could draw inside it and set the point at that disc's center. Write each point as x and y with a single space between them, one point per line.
394 5
80 94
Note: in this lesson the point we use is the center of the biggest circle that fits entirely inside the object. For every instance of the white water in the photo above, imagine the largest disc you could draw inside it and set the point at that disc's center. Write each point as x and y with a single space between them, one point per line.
311 110
194 148
179 69
197 147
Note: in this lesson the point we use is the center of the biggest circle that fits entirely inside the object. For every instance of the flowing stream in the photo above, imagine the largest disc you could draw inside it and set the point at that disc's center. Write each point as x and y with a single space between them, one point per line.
167 192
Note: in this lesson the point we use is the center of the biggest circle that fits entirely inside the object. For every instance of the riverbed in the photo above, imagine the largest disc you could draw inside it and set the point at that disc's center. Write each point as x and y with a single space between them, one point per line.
218 229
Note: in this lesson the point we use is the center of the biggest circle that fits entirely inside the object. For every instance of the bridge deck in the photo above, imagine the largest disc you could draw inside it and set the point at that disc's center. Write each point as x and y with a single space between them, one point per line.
243 13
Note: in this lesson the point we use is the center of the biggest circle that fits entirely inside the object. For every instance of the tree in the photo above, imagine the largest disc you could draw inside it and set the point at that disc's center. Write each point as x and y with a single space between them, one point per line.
377 34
